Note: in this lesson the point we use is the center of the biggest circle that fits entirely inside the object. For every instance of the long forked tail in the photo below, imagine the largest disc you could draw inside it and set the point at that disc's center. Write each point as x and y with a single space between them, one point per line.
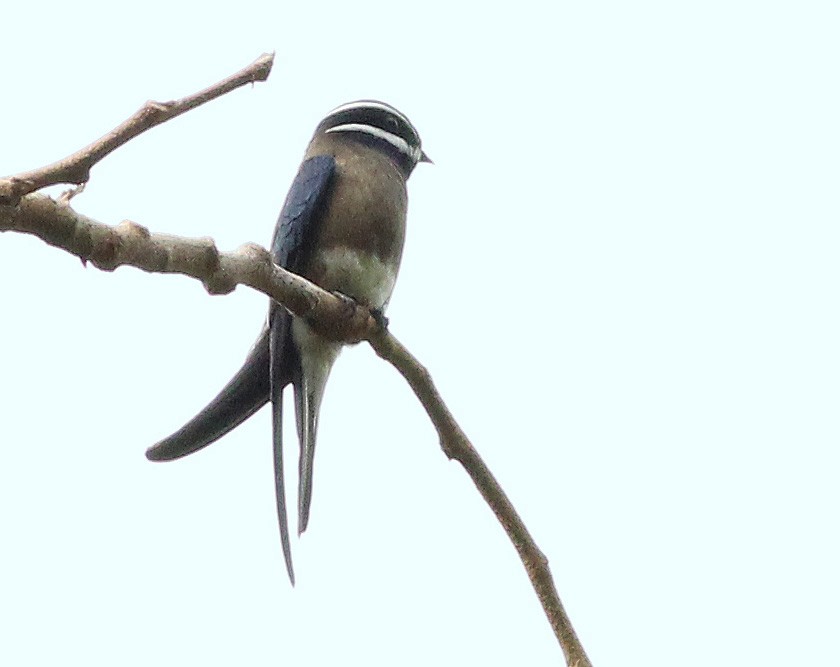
309 390
279 367
246 393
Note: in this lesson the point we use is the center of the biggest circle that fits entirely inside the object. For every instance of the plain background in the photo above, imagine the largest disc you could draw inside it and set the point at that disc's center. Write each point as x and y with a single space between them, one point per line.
622 272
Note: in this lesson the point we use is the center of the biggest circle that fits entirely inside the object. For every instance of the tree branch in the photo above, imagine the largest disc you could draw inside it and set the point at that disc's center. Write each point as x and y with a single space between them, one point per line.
456 445
131 244
76 168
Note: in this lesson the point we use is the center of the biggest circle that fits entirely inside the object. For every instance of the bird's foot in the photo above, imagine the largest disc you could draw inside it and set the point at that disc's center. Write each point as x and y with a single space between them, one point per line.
351 309
378 314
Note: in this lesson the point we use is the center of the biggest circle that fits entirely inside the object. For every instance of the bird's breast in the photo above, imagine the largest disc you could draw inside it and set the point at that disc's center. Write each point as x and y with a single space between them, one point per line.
362 275
360 232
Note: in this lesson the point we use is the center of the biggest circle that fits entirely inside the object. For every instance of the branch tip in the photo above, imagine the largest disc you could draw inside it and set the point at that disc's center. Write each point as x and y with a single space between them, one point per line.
76 168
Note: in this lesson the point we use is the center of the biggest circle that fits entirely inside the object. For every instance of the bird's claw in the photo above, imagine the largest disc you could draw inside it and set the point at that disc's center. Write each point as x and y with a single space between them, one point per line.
378 315
351 307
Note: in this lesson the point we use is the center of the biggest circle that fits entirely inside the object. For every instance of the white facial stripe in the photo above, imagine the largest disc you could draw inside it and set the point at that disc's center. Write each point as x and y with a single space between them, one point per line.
397 142
370 104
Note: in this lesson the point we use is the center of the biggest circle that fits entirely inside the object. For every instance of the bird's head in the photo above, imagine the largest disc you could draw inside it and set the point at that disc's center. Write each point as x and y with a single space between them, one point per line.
380 126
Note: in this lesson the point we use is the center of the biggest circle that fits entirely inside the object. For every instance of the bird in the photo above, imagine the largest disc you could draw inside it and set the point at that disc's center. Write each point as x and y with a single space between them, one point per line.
342 226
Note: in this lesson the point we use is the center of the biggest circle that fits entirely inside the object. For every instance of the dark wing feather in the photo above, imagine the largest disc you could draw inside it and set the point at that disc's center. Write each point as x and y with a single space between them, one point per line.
292 238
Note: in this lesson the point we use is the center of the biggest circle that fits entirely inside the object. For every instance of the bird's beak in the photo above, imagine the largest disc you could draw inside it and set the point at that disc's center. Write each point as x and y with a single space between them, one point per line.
425 158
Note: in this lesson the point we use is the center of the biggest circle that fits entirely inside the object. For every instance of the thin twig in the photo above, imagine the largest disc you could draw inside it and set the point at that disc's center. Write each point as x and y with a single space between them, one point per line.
76 168
456 445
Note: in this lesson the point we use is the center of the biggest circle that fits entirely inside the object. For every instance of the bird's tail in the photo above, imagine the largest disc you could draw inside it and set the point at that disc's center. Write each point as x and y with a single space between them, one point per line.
309 390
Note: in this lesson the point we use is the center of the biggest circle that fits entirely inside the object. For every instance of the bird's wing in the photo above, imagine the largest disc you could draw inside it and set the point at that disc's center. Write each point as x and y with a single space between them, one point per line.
290 248
292 240
246 393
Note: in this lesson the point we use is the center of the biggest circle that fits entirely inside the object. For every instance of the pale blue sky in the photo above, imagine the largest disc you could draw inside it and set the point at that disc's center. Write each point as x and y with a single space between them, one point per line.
622 272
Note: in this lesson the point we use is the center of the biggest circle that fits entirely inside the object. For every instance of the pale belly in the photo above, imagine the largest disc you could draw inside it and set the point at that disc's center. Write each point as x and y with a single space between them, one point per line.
362 276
